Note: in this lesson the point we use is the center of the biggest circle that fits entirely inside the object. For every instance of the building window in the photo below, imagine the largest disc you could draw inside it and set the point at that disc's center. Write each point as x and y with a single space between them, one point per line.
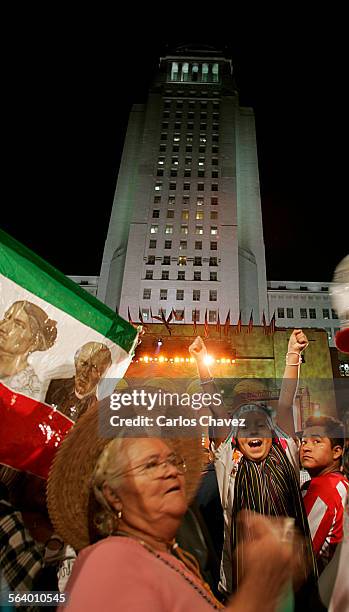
179 294
163 294
163 137
190 126
214 187
185 215
334 314
329 333
195 315
146 294
201 173
166 260
177 125
175 148
168 244
312 313
188 149
202 149
214 174
184 229
173 186
162 148
198 245
186 186
214 137
174 71
215 150
145 314
169 229
171 201
325 313
167 104
170 213
151 260
161 161
196 295
164 125
213 295
213 261
215 73
156 214
197 261
154 229
199 229
303 288
289 313
149 274
186 201
174 161
199 201
158 186
212 316
324 288
201 186
214 230
165 275
281 313
188 161
214 201
213 276
152 244
213 214
197 276
157 199
176 137
173 173
303 313
181 275
213 246
214 161
187 173
182 260
199 215
183 245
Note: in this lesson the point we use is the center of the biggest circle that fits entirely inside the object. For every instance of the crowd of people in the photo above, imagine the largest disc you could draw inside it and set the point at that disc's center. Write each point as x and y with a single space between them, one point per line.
156 529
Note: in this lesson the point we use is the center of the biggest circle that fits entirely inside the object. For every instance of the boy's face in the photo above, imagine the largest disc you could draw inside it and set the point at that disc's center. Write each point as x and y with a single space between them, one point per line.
316 454
257 440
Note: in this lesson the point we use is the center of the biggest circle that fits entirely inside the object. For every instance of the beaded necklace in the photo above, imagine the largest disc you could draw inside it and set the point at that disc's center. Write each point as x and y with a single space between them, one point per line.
204 591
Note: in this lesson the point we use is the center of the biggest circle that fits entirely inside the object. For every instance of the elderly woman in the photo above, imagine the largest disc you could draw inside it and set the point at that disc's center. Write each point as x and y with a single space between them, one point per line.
24 329
134 493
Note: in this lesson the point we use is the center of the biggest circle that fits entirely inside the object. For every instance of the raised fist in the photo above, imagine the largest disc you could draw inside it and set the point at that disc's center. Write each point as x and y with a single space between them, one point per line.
297 342
198 349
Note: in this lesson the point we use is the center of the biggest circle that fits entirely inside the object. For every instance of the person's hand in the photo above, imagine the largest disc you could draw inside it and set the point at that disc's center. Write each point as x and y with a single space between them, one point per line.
298 342
267 561
198 349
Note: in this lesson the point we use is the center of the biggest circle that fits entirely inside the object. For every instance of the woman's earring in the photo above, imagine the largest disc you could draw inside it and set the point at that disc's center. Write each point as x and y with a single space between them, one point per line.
119 514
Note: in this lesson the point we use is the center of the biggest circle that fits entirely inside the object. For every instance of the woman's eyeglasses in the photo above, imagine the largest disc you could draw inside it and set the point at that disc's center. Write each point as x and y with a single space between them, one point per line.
154 467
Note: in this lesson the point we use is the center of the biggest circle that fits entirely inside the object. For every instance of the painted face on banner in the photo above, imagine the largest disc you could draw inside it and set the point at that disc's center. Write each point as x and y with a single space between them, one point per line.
91 363
16 336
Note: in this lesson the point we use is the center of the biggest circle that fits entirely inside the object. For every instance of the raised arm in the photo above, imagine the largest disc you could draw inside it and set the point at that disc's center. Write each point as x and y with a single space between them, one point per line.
198 350
297 343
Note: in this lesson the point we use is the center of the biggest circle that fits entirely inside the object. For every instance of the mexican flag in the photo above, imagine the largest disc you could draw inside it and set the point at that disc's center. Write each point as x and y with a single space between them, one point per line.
61 350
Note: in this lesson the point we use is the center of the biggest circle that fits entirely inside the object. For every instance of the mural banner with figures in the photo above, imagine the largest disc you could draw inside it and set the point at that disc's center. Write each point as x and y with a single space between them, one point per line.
59 345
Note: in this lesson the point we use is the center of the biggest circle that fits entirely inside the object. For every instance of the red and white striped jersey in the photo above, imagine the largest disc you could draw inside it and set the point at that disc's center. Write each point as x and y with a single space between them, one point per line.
324 499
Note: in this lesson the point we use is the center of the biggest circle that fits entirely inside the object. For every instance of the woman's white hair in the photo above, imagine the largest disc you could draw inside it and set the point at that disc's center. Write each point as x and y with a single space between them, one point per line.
110 466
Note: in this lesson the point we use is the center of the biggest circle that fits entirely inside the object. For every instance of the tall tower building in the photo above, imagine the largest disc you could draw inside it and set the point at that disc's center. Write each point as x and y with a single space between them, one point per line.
186 225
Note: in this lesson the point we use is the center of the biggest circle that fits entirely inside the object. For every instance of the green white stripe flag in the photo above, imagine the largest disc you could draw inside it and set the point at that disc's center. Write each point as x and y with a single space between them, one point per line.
50 328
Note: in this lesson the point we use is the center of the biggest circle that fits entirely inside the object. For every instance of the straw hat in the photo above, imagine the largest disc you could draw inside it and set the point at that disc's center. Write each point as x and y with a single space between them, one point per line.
68 489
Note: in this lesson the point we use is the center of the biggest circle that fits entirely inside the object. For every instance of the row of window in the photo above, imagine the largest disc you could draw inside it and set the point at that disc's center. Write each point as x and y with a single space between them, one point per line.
187 173
183 245
181 260
194 72
178 125
184 229
303 312
189 148
190 103
188 160
196 294
199 214
301 288
186 186
189 139
195 314
191 115
200 200
165 275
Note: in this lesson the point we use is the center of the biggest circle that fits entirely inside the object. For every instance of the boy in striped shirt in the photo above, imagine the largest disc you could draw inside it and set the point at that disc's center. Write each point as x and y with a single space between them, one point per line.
325 493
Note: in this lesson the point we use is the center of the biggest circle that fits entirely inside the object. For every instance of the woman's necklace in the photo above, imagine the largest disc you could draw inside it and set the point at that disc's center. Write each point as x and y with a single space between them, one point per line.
204 591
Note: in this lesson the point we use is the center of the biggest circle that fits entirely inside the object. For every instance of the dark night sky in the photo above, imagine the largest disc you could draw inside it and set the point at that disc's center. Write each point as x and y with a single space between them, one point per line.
68 95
